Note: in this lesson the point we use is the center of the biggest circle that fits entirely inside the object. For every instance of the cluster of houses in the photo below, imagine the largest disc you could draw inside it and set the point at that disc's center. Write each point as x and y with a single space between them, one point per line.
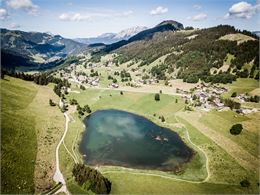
208 97
204 97
81 79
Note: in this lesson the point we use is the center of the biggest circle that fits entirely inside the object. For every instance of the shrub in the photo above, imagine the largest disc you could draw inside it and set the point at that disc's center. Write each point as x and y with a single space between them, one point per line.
157 97
114 80
51 103
73 102
82 87
234 94
87 109
245 183
236 129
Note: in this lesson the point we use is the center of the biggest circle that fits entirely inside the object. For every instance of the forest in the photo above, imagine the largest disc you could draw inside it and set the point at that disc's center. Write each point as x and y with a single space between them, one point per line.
195 57
91 179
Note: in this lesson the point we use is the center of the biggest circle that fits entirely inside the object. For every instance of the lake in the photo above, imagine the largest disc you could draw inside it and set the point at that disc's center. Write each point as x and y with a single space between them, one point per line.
119 138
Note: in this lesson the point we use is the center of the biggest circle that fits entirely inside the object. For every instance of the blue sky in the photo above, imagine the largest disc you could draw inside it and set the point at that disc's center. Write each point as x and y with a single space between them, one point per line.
86 18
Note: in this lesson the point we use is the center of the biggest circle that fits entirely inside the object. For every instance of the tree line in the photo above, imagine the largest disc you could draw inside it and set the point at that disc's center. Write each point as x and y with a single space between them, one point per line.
91 179
39 78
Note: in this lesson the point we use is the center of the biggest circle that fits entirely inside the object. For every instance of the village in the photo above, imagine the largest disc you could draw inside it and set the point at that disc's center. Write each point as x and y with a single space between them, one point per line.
208 96
204 96
87 74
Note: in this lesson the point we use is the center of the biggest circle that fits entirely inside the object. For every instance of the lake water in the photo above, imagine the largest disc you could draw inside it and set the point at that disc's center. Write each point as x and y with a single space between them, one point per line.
120 138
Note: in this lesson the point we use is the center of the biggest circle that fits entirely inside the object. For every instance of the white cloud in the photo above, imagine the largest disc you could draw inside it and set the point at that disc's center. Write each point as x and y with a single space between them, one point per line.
242 10
199 17
14 26
74 17
3 14
126 13
159 10
196 6
26 5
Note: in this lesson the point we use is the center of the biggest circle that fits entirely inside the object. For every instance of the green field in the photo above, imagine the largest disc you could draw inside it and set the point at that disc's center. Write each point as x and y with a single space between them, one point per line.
31 125
18 136
241 85
30 131
225 172
223 121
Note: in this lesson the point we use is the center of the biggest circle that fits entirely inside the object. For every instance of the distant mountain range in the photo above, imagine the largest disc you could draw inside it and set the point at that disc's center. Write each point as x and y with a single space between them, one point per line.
35 49
257 33
193 52
168 25
109 38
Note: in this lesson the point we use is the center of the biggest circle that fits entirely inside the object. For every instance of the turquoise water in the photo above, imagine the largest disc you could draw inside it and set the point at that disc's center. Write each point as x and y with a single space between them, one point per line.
120 138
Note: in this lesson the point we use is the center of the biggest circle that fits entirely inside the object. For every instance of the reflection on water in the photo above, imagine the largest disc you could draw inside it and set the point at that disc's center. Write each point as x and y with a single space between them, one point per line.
115 137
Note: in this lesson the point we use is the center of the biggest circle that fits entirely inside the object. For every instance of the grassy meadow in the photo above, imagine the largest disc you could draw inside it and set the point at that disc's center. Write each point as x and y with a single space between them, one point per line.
30 130
242 85
225 173
18 136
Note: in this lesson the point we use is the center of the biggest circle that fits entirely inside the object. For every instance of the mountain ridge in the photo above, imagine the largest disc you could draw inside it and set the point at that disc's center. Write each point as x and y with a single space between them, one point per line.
110 38
34 49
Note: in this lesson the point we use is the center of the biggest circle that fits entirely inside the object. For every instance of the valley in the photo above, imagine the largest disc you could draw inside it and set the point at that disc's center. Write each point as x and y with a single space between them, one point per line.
166 109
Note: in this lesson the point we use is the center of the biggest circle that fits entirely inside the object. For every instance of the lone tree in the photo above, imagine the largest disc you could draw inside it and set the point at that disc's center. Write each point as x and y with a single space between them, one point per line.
157 97
163 119
236 129
176 101
121 93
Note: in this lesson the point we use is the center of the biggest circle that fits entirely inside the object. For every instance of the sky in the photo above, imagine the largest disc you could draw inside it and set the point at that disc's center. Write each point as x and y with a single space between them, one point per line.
90 18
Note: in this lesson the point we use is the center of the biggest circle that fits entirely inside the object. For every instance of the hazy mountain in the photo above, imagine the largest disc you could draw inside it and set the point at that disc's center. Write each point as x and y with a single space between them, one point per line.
109 38
129 32
257 33
33 49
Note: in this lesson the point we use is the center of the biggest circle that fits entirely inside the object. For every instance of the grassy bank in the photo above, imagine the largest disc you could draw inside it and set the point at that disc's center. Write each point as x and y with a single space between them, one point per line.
30 131
18 136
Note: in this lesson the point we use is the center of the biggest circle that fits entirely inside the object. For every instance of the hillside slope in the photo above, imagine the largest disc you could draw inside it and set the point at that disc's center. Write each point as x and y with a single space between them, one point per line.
34 49
30 129
192 53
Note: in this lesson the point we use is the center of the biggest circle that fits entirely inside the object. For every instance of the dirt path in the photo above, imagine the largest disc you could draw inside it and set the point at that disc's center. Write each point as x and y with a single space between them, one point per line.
194 145
58 177
244 158
150 90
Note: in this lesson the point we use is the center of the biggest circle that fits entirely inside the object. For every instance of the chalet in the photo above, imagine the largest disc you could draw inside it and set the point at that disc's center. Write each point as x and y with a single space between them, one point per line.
109 63
243 97
114 85
217 103
82 78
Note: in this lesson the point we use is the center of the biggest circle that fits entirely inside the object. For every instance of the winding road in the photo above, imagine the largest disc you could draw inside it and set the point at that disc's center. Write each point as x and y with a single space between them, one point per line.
58 177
